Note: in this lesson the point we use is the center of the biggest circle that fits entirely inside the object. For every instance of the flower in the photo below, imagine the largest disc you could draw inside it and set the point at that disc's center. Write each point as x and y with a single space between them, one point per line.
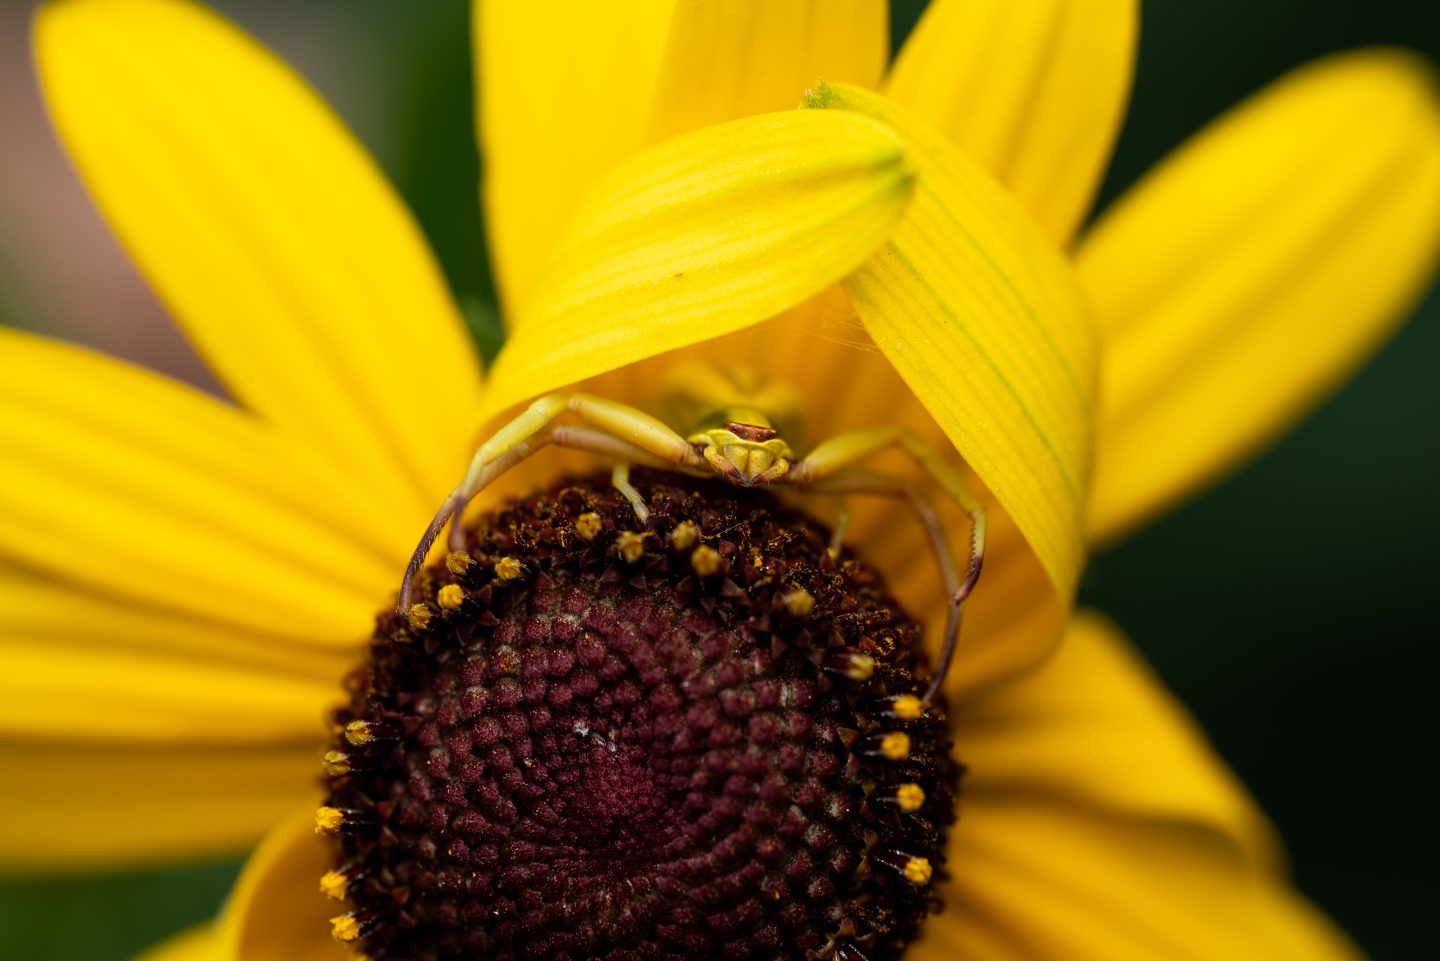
185 579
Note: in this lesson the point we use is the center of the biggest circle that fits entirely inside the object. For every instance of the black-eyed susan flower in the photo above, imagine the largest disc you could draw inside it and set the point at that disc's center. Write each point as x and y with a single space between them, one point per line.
702 737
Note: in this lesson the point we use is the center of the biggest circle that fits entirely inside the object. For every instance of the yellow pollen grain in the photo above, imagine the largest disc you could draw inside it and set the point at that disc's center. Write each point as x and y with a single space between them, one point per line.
908 707
458 562
419 616
336 763
328 820
630 546
861 667
917 871
587 526
358 733
684 536
799 602
895 746
508 569
910 797
705 561
333 885
450 596
345 928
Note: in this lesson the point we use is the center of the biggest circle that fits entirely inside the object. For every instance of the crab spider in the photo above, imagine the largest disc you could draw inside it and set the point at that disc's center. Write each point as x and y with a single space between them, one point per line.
746 448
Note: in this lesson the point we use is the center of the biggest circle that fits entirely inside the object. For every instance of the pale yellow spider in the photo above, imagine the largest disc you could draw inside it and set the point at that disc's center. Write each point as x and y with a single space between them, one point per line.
735 438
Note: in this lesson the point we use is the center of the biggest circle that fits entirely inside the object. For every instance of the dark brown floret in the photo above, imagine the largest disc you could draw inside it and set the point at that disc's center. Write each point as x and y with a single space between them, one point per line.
584 741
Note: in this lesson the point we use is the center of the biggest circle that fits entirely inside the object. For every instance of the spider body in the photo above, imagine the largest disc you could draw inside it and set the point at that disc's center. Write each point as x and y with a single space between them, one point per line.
735 436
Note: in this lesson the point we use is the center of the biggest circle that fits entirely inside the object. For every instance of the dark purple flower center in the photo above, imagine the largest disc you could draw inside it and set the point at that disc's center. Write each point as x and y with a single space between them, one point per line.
700 739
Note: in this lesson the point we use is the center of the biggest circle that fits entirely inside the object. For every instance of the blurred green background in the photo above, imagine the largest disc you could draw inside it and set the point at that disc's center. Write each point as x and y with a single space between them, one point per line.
1291 607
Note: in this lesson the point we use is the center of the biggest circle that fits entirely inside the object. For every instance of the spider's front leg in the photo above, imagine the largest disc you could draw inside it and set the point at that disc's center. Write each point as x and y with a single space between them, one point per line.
828 469
611 429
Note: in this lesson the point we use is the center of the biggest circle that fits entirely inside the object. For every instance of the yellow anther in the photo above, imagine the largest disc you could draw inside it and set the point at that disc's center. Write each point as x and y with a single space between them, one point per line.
329 820
684 536
458 562
345 928
333 885
359 733
908 707
508 569
588 525
860 667
910 797
917 871
895 746
418 615
705 561
337 763
450 596
631 546
799 602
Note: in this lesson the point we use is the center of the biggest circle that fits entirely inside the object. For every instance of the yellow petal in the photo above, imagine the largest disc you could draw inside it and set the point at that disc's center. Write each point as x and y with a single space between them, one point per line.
565 92
1047 883
1094 728
269 233
276 912
1256 268
734 58
87 806
102 691
1034 91
138 487
1096 825
702 235
196 944
983 320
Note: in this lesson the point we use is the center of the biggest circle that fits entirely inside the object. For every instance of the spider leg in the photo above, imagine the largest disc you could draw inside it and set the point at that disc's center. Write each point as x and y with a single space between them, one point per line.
856 481
615 428
845 450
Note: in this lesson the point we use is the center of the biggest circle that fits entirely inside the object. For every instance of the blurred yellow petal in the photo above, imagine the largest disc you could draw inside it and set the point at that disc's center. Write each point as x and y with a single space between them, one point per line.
88 806
110 693
1035 92
1094 728
565 92
270 234
1045 883
983 320
1254 269
734 58
276 912
702 235
139 487
197 944
1096 825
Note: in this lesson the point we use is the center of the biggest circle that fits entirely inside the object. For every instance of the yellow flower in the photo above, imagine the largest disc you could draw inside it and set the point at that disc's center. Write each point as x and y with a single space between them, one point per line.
184 580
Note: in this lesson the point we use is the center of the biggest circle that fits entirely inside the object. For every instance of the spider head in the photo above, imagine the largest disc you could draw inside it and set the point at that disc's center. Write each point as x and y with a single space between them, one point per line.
746 454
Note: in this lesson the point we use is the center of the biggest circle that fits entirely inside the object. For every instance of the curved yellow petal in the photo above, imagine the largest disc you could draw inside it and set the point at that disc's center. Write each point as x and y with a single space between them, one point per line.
702 235
1254 269
104 693
196 944
142 488
565 92
1096 825
87 806
734 58
1044 883
269 233
1093 728
1034 91
984 321
276 912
